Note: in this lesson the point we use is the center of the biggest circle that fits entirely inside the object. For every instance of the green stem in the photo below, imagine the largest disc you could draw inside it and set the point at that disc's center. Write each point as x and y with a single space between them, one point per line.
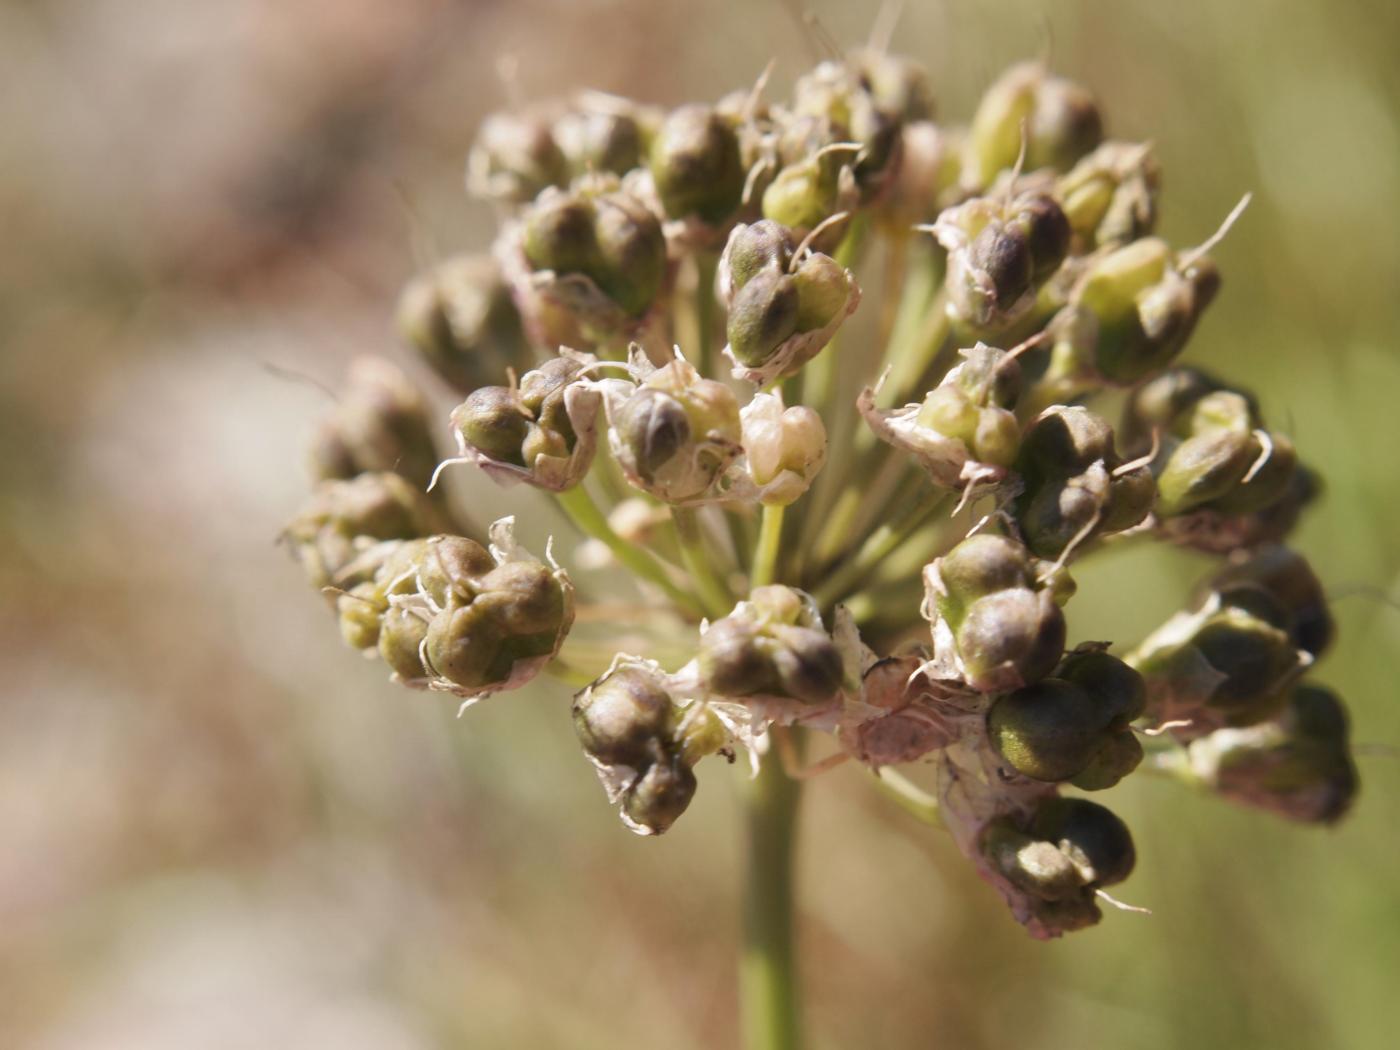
767 973
714 595
770 545
584 513
706 263
911 798
876 548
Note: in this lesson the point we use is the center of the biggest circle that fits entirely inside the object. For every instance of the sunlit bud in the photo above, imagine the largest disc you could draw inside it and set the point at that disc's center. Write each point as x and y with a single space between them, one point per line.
785 447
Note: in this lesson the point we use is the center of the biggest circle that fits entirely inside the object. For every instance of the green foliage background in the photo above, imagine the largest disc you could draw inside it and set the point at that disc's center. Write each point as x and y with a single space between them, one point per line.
220 830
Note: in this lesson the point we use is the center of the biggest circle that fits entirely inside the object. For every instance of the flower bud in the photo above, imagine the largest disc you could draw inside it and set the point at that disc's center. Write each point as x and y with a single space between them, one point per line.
1297 764
803 195
771 646
785 447
379 424
695 164
1002 624
460 317
1060 119
1075 484
514 158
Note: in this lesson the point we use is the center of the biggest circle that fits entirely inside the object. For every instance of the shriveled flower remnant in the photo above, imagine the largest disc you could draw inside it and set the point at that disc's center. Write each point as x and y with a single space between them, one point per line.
848 394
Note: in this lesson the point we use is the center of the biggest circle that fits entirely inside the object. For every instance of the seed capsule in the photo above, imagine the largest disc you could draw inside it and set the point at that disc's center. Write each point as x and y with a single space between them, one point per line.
695 163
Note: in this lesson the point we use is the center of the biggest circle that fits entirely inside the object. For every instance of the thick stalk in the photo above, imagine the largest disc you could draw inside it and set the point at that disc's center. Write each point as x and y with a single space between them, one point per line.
704 355
767 970
770 544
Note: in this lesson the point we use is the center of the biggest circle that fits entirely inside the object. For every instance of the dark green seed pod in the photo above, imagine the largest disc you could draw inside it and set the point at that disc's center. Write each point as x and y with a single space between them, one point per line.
1204 468
1031 865
619 718
1096 840
732 662
1048 731
696 165
807 663
1117 687
657 799
526 598
763 315
632 253
1286 576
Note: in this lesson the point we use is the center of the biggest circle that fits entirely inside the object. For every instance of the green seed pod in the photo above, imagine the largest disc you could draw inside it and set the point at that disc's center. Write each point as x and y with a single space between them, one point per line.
773 645
559 235
1061 124
450 569
1076 486
460 317
1297 764
494 421
803 195
360 611
525 597
632 253
696 165
1057 730
619 718
898 85
463 645
657 799
400 642
823 286
1096 841
514 157
978 566
763 315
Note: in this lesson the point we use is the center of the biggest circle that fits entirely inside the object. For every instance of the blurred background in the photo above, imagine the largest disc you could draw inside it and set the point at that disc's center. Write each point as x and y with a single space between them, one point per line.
221 830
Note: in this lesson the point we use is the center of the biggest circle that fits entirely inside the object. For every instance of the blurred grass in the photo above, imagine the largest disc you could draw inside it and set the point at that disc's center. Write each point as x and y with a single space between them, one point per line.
220 831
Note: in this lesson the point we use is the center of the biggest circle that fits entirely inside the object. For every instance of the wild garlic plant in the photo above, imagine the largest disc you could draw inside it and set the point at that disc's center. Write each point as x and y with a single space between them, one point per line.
847 540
